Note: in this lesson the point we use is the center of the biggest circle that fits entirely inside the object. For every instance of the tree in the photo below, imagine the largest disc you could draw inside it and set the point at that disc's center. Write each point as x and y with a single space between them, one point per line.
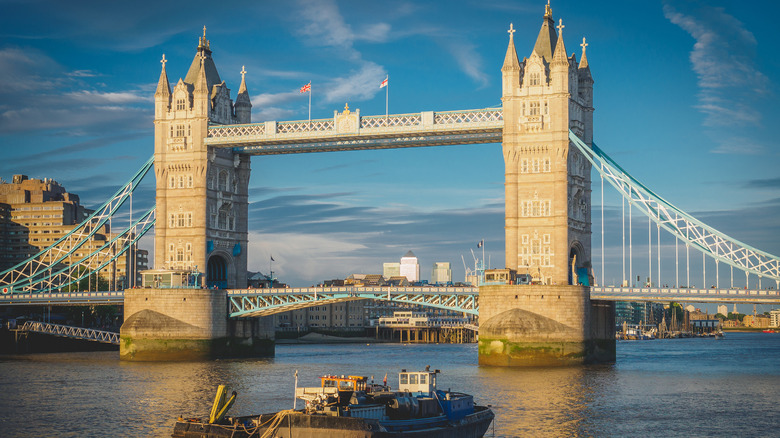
92 282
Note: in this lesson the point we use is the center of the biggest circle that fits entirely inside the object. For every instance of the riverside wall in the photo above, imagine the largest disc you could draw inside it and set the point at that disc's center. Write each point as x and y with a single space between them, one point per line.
189 324
536 325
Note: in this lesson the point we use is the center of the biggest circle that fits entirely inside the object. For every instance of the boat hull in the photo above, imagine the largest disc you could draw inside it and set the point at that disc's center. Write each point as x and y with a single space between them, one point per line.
300 425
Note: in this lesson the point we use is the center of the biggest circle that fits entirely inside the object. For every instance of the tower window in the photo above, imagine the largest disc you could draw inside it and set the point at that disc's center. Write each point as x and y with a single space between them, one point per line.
536 79
179 104
533 109
223 177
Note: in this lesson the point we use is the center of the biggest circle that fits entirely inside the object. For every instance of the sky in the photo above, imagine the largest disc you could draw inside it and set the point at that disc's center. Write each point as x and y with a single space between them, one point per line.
685 95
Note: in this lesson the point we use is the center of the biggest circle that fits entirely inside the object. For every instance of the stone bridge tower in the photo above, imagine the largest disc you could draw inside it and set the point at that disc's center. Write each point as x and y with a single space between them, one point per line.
548 222
201 191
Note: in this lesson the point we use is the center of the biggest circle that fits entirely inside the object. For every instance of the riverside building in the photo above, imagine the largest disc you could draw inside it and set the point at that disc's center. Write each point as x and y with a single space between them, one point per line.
36 213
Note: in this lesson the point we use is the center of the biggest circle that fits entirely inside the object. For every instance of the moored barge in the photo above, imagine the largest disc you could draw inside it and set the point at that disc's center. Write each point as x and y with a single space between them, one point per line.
351 407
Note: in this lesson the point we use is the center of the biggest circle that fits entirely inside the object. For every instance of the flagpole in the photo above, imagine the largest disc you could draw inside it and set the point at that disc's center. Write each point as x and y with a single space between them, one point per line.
387 95
483 253
309 102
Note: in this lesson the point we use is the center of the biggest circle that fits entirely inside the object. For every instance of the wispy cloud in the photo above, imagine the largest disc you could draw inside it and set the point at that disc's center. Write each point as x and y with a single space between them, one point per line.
771 183
326 27
360 84
103 98
739 145
723 58
469 61
38 93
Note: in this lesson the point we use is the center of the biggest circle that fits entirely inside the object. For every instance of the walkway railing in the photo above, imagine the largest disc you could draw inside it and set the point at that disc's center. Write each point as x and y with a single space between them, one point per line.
659 294
64 298
72 332
264 302
350 131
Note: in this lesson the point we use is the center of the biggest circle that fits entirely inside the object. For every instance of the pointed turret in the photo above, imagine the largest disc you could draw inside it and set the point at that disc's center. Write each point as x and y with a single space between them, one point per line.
163 86
547 38
559 67
201 92
243 105
585 85
510 60
162 97
584 68
510 72
203 61
560 49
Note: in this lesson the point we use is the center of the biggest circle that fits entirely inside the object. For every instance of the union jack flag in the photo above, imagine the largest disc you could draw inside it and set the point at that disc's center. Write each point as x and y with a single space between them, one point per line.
306 88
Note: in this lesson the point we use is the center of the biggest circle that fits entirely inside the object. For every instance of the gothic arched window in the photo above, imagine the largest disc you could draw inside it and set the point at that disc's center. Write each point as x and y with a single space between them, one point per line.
223 180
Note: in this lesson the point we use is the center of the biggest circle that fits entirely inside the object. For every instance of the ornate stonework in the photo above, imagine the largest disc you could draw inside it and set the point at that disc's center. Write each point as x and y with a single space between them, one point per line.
547 218
202 198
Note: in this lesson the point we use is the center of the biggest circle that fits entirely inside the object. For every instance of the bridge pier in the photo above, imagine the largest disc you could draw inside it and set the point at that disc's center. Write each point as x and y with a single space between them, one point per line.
189 324
535 325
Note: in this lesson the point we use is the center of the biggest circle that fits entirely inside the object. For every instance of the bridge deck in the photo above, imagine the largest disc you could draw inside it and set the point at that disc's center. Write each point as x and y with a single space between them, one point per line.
746 296
303 297
346 132
264 302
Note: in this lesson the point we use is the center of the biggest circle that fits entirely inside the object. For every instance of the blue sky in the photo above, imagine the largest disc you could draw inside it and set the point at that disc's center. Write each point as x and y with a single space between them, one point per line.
685 96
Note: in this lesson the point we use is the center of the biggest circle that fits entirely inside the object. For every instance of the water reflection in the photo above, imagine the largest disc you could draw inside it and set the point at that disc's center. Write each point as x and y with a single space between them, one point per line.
544 401
671 388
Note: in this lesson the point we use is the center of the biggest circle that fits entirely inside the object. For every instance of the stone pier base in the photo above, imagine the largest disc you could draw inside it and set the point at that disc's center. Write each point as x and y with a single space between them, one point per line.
188 324
533 325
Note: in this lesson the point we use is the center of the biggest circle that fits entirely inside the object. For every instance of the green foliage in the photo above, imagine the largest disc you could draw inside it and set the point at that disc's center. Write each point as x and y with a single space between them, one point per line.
736 316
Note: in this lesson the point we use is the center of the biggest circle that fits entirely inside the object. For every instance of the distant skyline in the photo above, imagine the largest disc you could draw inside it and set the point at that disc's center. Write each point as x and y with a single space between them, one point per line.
685 95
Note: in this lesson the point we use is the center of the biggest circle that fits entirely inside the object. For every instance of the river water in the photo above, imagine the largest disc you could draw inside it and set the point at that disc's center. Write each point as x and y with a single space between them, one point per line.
678 387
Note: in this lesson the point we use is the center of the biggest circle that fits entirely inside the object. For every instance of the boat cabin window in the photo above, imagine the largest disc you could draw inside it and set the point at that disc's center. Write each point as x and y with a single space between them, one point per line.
329 383
422 382
346 385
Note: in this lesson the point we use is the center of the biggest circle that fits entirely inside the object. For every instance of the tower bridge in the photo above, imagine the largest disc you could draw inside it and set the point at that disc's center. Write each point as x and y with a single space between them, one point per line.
203 145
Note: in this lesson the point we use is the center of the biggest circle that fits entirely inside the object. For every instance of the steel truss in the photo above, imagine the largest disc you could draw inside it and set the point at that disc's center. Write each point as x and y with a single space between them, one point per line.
66 331
50 261
92 262
264 302
693 232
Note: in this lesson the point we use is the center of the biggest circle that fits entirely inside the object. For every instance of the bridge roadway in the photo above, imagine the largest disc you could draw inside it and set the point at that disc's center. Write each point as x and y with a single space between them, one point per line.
348 131
259 302
733 295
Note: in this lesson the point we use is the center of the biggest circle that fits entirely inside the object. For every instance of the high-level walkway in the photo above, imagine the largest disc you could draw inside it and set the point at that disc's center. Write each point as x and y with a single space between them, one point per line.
350 132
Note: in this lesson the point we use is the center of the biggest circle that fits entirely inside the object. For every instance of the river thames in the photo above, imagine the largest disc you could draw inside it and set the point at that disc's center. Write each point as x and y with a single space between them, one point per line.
680 387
